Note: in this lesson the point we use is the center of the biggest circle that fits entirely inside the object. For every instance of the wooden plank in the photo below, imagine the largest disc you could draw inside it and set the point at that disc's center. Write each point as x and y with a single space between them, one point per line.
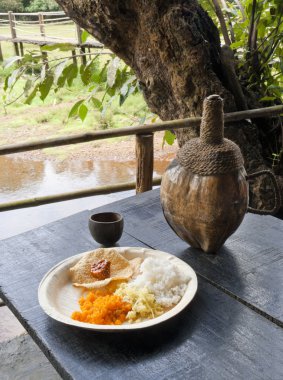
22 49
1 54
249 265
12 22
11 17
82 49
144 162
128 131
91 44
35 13
216 337
33 202
41 24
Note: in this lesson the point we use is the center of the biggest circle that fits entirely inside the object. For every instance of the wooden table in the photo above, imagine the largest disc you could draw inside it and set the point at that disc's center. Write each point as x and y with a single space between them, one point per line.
231 330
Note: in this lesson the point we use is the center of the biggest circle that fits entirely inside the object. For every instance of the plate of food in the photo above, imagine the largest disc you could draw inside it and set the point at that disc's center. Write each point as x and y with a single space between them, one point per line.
117 289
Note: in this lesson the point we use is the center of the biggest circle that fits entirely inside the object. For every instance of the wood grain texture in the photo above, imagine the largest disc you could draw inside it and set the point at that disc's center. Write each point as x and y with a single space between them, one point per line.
249 265
216 337
203 210
144 162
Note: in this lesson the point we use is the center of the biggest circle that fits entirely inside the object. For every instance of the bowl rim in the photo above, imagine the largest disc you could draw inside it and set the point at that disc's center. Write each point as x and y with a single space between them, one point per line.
45 297
120 217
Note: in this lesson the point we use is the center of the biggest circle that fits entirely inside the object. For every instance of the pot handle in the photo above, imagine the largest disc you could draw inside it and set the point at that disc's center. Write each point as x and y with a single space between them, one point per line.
277 196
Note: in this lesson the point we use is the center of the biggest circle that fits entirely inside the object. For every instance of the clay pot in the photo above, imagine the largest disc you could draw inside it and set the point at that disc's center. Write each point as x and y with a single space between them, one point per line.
204 192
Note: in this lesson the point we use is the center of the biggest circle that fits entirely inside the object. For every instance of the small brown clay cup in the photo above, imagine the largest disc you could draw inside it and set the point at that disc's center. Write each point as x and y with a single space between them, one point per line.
106 228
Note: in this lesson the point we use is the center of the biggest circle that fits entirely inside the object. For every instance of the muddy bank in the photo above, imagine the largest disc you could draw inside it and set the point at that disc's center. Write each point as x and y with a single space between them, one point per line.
119 150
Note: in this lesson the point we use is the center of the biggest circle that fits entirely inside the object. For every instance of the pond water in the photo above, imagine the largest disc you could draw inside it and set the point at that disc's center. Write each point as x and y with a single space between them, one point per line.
22 178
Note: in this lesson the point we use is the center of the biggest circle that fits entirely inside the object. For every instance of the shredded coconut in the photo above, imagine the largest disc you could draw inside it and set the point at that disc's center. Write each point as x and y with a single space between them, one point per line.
144 305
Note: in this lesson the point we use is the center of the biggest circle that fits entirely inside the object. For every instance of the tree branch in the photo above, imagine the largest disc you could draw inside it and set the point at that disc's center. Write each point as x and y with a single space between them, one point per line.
172 46
252 25
224 5
221 19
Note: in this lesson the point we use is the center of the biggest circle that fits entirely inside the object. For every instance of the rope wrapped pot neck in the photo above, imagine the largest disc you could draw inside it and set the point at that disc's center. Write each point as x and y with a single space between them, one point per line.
211 153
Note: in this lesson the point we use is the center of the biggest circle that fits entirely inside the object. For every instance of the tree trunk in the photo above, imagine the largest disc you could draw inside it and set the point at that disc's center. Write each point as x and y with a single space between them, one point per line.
174 49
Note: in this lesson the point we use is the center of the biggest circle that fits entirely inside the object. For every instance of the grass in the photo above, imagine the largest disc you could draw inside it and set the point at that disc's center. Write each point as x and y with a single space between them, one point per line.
50 118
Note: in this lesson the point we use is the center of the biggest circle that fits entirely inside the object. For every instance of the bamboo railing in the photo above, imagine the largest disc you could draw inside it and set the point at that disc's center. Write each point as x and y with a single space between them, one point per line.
144 153
139 130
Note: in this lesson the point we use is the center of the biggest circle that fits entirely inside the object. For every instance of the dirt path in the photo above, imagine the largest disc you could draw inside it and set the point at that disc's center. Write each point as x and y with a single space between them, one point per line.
121 150
118 149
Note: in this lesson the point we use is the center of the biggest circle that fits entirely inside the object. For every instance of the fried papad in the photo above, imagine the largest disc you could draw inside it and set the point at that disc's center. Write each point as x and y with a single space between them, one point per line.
120 268
135 265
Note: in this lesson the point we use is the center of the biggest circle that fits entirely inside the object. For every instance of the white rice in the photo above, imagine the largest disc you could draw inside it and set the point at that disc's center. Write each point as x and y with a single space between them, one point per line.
164 279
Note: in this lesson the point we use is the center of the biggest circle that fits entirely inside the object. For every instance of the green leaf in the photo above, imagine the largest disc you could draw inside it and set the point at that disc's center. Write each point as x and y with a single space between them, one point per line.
45 86
133 89
10 61
59 46
13 78
111 91
43 73
5 87
75 108
97 103
112 70
86 72
31 96
83 110
169 138
28 86
124 89
84 36
59 70
72 73
261 30
267 98
61 80
236 45
68 72
122 99
30 57
100 76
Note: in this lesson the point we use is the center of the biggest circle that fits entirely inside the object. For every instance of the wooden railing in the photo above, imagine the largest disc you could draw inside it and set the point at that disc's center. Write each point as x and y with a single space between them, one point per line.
144 153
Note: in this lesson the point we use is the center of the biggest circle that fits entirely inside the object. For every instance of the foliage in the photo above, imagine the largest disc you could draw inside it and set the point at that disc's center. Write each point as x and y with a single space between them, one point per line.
11 5
112 77
255 29
28 5
42 5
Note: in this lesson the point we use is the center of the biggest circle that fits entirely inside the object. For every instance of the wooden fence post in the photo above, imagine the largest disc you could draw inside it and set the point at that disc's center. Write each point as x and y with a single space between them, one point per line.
45 59
22 49
42 33
82 50
74 57
144 162
41 24
1 54
12 22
